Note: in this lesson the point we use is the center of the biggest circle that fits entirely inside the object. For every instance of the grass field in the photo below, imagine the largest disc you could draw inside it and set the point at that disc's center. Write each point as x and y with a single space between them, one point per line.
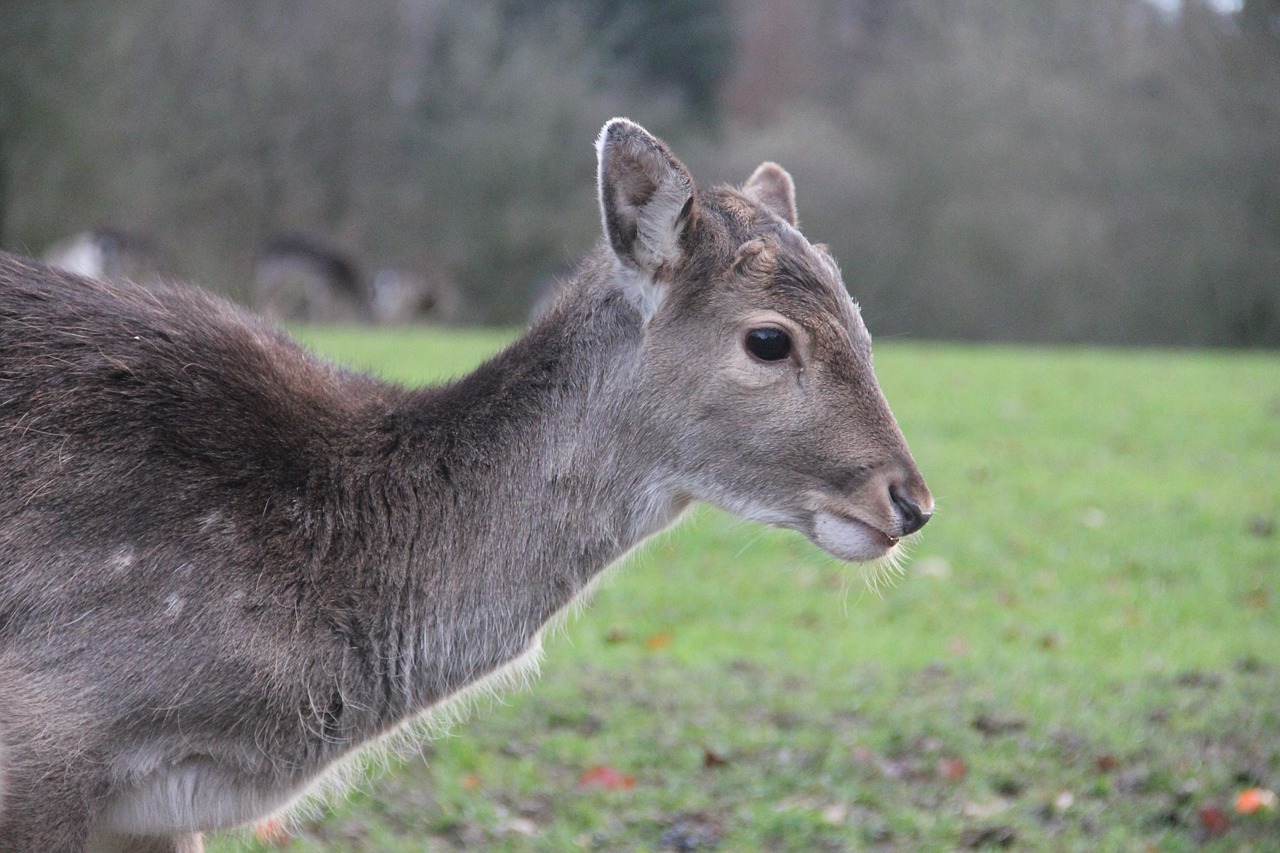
1081 655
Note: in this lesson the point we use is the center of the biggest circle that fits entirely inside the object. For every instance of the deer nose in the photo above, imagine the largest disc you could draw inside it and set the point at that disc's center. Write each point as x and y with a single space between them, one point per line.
913 517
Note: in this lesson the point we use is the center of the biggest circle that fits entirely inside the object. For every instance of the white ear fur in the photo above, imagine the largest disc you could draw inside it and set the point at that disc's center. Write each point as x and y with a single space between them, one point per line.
771 185
645 196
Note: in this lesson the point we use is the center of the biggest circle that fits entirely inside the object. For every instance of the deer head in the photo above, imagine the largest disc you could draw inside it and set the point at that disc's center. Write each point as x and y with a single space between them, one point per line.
758 377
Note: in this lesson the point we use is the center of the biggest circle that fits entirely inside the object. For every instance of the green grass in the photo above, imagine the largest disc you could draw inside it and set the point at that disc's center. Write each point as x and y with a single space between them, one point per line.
1081 655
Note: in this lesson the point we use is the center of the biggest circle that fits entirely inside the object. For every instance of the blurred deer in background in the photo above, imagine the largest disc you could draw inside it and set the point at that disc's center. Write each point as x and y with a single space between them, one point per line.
399 296
301 279
226 565
108 253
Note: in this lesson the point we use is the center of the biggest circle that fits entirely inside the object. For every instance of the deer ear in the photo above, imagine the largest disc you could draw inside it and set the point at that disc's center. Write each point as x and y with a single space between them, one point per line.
646 196
770 185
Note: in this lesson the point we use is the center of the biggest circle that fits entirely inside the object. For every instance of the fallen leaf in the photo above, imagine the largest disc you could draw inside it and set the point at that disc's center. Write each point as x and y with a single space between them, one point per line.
953 769
471 781
602 776
272 832
657 642
1106 763
1213 820
1254 800
712 759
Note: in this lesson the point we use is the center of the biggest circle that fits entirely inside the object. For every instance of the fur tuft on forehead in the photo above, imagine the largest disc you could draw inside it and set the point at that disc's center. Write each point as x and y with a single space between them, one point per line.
757 258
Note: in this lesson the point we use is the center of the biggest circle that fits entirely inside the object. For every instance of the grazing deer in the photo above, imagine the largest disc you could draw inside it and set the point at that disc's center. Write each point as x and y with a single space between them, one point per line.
399 296
226 565
109 253
302 279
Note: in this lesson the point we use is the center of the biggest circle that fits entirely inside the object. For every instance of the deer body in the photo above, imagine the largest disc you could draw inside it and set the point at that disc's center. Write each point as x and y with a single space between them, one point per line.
226 565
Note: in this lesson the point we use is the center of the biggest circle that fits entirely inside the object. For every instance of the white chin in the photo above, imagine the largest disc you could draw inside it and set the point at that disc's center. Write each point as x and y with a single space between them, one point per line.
849 539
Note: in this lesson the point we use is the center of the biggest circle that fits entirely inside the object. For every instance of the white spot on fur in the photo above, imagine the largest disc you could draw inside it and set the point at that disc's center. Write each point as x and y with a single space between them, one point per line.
210 521
640 288
121 559
173 605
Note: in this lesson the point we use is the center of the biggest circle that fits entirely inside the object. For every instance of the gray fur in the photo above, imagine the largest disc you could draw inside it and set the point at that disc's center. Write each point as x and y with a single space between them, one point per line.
226 566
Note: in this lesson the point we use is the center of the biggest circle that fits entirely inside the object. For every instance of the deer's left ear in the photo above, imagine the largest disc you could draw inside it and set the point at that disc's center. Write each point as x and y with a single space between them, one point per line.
646 196
770 185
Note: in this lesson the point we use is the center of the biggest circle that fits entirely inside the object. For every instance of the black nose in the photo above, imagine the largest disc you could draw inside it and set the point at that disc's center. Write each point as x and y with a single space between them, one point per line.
913 517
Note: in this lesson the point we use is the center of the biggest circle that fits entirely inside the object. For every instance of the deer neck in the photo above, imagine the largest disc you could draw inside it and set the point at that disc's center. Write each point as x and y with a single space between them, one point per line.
533 475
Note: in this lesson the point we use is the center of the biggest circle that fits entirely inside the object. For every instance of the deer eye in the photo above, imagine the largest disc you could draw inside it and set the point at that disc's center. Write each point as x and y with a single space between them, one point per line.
768 343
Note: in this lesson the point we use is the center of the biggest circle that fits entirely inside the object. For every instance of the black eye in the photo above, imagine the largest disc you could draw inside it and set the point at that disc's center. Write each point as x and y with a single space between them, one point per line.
769 344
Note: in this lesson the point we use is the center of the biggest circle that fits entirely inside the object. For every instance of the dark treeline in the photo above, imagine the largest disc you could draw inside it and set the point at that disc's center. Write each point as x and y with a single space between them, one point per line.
1066 170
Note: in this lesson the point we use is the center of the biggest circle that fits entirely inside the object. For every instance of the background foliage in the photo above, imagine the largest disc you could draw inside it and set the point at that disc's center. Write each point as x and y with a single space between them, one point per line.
1101 170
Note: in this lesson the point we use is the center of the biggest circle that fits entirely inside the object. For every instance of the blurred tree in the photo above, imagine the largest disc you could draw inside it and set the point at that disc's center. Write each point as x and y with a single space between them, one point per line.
403 128
684 45
1065 170
1261 18
1089 170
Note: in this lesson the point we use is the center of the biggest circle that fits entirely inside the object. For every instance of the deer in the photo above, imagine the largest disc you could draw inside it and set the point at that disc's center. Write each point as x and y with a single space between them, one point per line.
302 278
110 253
228 566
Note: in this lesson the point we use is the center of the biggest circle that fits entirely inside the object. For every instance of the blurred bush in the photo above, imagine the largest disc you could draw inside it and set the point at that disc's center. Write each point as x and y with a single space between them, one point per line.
1072 170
